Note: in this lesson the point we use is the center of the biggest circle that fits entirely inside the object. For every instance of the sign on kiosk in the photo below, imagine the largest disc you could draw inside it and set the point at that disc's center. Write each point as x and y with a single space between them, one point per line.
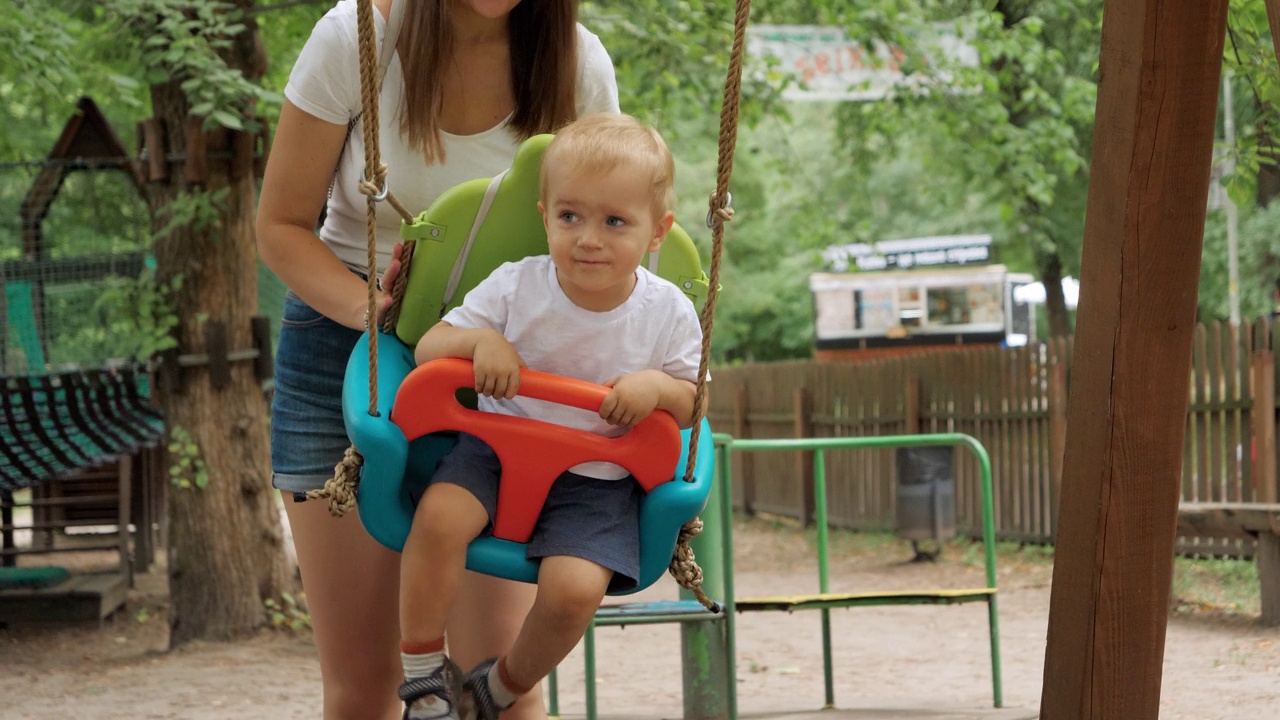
906 254
827 65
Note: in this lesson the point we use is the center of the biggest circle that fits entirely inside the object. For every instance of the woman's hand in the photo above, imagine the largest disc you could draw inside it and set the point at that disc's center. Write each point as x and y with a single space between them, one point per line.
388 282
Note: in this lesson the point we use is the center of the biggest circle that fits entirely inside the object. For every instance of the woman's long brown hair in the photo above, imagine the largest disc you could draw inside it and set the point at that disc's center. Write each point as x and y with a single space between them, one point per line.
544 68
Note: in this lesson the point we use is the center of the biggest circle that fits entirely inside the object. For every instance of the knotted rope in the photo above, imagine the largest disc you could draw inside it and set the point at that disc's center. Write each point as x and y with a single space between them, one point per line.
340 490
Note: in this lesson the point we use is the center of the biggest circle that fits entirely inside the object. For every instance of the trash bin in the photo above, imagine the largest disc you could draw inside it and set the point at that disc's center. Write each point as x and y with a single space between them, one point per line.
926 493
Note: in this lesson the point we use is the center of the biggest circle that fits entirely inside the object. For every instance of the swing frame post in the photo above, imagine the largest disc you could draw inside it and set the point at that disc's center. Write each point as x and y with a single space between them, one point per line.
706 651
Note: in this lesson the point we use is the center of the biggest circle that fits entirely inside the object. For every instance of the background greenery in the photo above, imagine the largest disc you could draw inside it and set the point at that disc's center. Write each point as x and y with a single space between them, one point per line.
1010 159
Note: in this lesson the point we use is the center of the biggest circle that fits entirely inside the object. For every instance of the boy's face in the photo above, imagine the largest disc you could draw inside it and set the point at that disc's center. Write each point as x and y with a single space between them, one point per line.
599 226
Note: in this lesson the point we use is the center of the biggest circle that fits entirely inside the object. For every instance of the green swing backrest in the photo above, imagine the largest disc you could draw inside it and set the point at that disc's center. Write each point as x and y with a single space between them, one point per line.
511 229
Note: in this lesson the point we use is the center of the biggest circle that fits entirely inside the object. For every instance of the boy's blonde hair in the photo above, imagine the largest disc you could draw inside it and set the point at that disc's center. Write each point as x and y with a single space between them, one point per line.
603 142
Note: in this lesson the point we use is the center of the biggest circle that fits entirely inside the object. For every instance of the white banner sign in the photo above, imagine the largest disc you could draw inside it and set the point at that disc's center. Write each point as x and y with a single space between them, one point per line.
909 253
826 65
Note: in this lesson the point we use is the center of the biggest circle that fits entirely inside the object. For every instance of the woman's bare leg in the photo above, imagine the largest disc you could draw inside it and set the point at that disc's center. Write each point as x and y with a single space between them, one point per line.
352 589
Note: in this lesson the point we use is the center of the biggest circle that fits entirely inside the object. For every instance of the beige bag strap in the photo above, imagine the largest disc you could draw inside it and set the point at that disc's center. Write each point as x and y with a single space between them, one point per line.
390 34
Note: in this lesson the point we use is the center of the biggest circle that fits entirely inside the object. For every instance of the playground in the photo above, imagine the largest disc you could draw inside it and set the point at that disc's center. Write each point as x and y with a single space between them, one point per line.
1087 457
905 663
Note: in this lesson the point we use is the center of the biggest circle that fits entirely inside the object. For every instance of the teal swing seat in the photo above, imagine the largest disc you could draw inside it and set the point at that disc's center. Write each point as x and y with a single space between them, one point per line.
467 233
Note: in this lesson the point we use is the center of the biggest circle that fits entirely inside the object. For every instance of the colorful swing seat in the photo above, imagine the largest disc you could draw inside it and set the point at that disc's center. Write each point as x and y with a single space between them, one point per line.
467 233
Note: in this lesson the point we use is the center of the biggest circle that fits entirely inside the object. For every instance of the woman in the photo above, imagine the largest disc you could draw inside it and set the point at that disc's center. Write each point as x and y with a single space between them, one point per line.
470 80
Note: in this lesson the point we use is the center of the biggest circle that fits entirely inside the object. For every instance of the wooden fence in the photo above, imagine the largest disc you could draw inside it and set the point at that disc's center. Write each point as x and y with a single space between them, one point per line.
1013 400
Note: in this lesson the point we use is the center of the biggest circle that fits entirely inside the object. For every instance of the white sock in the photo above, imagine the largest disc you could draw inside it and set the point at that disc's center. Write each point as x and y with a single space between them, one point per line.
416 666
502 694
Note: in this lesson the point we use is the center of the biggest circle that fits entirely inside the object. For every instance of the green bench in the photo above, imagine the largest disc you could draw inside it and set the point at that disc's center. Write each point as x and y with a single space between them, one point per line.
689 611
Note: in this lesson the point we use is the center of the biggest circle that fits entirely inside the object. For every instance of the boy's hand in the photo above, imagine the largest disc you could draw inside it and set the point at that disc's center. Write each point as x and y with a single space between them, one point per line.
497 367
633 397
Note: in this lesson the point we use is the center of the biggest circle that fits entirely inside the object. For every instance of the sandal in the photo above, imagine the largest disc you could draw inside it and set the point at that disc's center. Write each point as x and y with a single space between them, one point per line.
439 684
476 684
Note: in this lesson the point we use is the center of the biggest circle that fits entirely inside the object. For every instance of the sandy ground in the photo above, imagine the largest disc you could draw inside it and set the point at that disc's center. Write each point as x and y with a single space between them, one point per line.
1218 665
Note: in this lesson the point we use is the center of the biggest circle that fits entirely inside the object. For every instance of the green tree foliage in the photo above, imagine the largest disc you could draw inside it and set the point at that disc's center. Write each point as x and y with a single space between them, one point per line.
1251 57
188 41
52 53
1252 179
37 51
1259 240
1013 130
671 57
1005 152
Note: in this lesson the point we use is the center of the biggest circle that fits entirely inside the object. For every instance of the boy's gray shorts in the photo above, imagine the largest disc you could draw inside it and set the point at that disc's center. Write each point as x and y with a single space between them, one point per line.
589 518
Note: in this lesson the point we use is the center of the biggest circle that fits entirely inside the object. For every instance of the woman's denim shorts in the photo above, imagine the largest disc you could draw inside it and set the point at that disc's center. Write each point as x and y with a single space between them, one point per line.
308 437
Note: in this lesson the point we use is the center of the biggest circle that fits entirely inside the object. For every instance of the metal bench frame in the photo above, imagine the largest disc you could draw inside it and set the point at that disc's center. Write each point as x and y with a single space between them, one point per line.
688 611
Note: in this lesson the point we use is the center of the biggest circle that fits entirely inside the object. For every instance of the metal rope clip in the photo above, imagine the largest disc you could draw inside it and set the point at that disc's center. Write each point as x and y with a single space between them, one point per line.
381 194
728 203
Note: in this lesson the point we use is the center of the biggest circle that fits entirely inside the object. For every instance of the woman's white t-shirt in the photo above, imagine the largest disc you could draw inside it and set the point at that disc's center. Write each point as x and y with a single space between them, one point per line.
325 83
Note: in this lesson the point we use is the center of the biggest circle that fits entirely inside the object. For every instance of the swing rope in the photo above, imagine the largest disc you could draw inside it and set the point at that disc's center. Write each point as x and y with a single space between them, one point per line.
340 490
684 566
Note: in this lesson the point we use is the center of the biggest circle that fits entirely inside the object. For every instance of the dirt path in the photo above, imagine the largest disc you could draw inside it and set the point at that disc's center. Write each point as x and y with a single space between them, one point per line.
1216 667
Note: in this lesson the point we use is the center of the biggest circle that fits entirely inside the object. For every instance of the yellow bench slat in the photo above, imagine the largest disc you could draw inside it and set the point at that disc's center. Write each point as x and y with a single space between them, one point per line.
892 597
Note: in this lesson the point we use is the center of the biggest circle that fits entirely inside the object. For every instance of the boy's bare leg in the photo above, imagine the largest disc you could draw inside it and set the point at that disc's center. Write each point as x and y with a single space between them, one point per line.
569 593
448 518
431 565
484 623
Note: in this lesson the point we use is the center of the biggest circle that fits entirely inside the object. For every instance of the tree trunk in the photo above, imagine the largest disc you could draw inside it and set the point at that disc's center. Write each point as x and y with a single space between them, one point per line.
1268 172
1049 266
1048 260
225 542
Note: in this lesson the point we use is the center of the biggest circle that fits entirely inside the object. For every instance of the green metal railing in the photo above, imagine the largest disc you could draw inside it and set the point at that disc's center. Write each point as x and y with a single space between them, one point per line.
818 445
714 693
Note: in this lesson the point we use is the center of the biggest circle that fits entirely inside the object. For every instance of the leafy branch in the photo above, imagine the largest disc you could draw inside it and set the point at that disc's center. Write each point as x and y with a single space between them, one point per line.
187 469
139 317
198 211
184 41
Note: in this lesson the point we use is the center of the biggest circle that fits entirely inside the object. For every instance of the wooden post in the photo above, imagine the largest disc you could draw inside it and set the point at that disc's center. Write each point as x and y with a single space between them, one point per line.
152 132
263 365
1268 558
1264 425
124 474
215 345
803 428
242 150
1152 150
7 541
158 477
144 548
196 167
742 429
911 406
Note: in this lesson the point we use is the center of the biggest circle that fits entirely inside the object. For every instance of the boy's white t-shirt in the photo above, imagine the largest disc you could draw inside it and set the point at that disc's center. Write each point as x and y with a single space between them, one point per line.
325 83
656 328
